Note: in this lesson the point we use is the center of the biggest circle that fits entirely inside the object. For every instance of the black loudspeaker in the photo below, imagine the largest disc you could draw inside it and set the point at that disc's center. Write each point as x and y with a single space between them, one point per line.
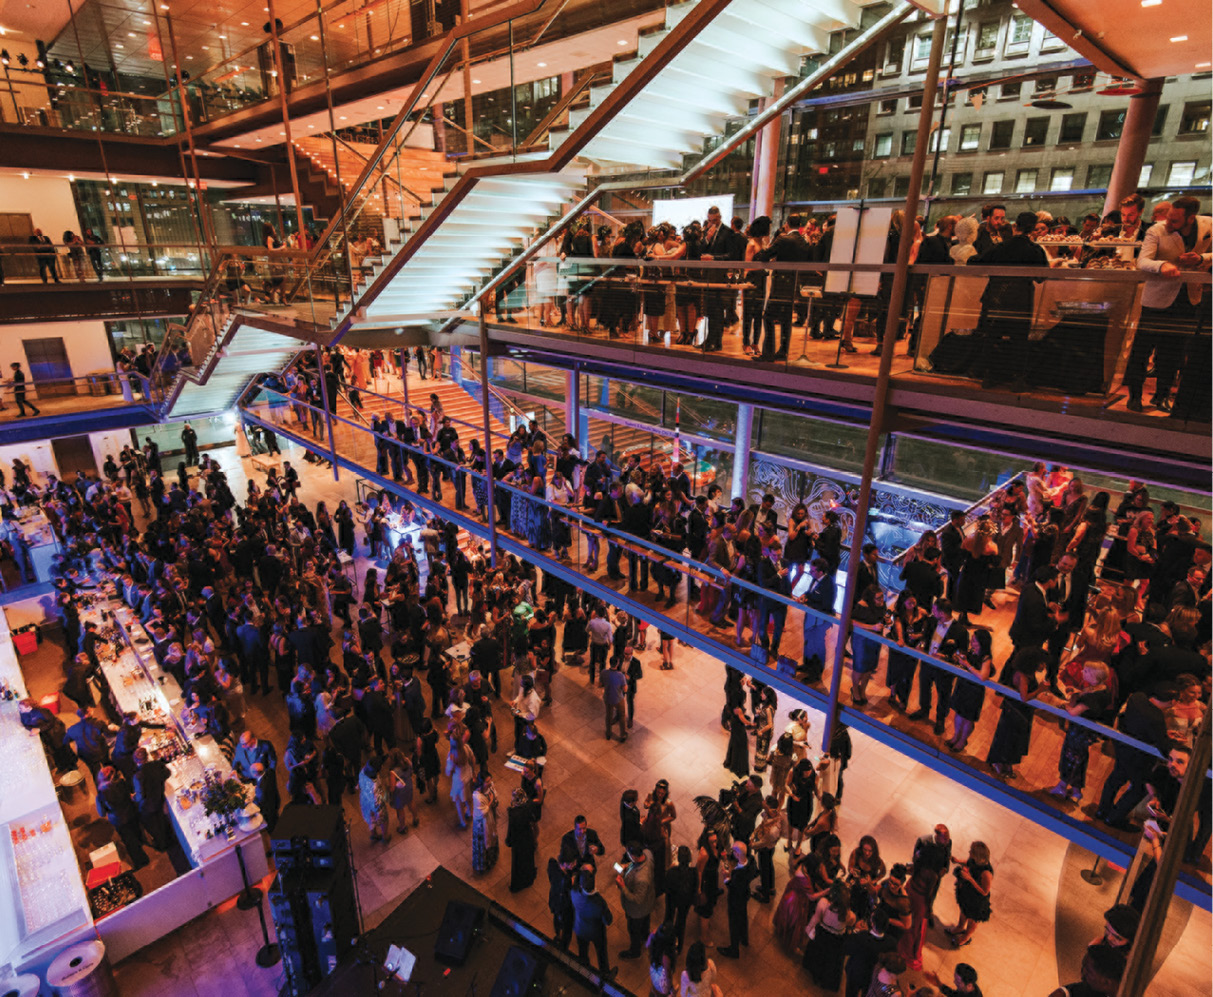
457 931
309 837
518 974
333 915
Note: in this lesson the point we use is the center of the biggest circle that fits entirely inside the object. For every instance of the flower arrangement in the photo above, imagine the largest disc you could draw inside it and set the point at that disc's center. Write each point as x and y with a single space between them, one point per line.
223 798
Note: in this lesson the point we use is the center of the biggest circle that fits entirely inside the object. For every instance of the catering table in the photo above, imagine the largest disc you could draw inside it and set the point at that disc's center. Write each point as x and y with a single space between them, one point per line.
398 532
137 684
34 542
42 896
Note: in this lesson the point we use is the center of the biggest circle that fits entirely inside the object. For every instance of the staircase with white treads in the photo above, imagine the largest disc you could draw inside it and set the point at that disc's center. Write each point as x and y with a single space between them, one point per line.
732 58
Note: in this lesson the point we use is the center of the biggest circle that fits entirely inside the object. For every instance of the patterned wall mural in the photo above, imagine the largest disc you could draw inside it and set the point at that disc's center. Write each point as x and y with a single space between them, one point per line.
895 520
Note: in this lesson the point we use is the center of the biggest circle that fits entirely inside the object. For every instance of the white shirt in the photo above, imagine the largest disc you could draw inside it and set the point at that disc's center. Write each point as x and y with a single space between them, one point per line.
1161 246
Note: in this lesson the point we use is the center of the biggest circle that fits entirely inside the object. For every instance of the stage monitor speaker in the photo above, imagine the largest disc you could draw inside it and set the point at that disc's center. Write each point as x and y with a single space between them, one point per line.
309 836
456 933
518 973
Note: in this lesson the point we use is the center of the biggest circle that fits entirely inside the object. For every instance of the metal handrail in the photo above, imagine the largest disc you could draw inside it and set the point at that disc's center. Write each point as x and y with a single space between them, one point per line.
680 561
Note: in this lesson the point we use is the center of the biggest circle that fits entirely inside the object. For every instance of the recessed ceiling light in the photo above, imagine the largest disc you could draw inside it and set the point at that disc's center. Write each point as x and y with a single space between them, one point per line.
223 38
622 41
1180 38
542 65
147 22
25 176
342 118
70 178
189 58
1151 3
477 82
314 38
244 24
379 108
1204 65
119 45
206 48
131 34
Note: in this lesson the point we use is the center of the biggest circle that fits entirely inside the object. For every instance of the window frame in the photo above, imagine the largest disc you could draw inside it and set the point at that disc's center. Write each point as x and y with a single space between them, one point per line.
1026 142
987 176
1081 117
996 130
1026 173
1058 172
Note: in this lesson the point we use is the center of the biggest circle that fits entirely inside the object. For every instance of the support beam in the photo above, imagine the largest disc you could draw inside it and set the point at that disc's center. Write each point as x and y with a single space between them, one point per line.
488 438
766 160
572 402
741 448
897 298
1134 144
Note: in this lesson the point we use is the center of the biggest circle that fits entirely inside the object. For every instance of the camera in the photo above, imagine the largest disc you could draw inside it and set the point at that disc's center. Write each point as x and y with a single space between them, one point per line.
728 797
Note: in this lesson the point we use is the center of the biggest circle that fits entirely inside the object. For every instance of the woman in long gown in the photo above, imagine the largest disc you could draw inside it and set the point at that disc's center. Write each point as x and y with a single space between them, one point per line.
520 838
372 800
737 759
802 788
484 824
980 566
795 908
1013 734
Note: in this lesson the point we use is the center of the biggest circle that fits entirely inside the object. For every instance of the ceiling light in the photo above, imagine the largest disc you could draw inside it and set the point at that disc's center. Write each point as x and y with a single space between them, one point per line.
223 38
206 48
314 38
155 183
131 34
342 118
244 24
622 41
379 108
70 178
189 58
25 176
1180 38
311 126
119 45
1151 3
542 65
1204 65
477 82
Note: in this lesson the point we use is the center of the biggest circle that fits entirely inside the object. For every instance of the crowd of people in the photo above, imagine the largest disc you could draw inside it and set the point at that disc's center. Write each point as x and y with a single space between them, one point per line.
764 307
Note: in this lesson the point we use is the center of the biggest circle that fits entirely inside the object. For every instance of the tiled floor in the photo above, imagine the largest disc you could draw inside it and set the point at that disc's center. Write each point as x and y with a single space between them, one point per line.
678 737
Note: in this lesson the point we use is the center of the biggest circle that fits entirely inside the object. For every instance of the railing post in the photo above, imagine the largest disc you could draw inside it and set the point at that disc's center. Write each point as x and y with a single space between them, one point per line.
1140 965
488 437
880 397
328 412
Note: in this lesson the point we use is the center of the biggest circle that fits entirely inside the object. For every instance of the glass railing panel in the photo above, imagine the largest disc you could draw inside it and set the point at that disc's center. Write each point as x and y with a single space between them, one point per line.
80 262
1064 340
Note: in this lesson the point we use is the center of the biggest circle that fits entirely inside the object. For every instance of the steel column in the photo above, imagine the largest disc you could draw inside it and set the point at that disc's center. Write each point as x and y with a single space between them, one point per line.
1134 144
488 437
897 296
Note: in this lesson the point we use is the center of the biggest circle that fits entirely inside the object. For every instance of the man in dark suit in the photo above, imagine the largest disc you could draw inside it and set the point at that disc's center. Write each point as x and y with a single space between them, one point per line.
820 596
580 845
719 243
993 222
591 917
936 247
251 648
269 570
115 804
149 778
951 549
737 900
1034 621
921 576
1006 305
88 737
250 751
944 637
486 659
869 571
788 247
1143 718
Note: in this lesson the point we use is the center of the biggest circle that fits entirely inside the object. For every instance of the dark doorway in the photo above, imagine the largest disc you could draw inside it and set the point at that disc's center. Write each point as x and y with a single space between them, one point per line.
48 366
72 454
15 230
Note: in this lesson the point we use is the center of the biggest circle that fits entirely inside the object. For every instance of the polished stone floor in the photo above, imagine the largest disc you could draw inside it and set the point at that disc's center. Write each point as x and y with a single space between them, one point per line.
1041 914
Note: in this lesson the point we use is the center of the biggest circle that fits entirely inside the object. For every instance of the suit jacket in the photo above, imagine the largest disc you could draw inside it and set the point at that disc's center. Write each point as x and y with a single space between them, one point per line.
1071 597
820 596
951 541
243 758
569 852
1161 246
266 797
149 780
1032 624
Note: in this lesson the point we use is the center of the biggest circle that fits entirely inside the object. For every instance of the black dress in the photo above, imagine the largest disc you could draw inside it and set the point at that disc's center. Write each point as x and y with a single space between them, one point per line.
975 575
520 839
1014 731
804 784
968 697
737 760
972 902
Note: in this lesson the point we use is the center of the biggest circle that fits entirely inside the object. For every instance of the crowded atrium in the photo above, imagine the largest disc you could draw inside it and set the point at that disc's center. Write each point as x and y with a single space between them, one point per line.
702 498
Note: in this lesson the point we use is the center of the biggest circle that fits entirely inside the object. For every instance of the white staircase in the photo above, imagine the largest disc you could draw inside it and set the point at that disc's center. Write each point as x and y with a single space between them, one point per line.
733 59
240 352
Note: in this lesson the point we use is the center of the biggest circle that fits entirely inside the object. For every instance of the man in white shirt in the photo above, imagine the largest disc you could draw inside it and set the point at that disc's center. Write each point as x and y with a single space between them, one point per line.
1171 309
